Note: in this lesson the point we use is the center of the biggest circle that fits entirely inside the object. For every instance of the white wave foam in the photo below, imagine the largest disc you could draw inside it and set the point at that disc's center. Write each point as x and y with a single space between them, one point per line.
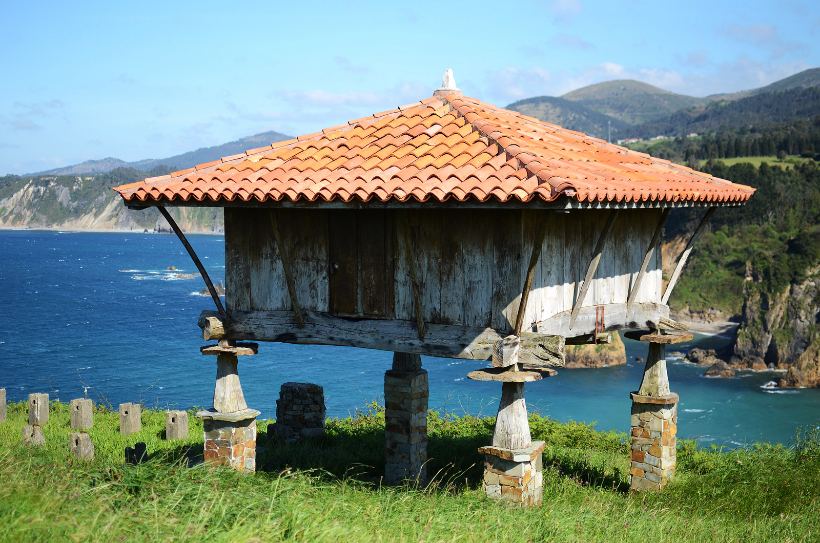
694 410
780 391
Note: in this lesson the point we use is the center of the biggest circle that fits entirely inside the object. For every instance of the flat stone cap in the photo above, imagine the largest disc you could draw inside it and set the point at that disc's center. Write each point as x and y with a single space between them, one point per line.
238 349
649 336
234 416
666 399
505 375
527 454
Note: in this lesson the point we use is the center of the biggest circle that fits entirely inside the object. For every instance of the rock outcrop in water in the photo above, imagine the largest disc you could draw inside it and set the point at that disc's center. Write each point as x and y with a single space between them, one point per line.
777 329
806 372
600 355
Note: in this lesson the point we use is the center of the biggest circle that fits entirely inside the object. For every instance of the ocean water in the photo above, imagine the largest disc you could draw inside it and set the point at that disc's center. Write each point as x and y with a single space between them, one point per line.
101 315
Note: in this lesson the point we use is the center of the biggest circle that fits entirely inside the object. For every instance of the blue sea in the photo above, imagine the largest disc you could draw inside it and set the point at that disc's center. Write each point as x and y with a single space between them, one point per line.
100 314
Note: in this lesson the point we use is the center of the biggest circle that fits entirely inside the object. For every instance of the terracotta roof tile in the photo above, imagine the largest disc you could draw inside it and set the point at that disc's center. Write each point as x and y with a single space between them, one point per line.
447 147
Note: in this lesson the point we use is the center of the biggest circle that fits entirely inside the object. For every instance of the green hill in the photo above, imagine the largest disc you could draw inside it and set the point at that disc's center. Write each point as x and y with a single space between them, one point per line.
569 115
630 101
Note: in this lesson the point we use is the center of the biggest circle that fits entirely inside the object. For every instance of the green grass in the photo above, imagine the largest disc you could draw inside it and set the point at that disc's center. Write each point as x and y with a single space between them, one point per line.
756 161
329 489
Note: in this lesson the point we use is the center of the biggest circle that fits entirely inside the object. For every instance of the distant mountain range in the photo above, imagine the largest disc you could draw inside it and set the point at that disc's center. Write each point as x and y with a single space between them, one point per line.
176 162
633 109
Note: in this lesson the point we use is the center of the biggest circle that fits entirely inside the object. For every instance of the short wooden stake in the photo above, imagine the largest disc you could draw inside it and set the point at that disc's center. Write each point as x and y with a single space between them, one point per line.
2 404
37 409
176 425
81 445
512 429
82 413
130 418
33 435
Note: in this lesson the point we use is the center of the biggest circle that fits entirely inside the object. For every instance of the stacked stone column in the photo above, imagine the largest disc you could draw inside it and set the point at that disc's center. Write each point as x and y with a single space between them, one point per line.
300 412
654 418
406 394
230 426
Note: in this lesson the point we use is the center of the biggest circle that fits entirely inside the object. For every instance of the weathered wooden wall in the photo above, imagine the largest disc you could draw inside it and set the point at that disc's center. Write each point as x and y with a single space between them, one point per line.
471 264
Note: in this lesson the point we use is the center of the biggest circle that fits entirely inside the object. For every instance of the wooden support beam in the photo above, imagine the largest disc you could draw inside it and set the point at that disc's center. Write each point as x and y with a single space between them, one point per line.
453 341
538 242
195 258
512 429
640 315
408 242
287 268
593 266
685 255
650 251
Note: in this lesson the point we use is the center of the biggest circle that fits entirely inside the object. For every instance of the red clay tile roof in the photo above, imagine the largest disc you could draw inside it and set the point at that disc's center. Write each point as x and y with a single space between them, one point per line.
448 147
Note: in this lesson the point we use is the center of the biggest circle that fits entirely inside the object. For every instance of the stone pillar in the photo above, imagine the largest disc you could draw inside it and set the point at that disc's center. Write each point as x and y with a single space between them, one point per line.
230 426
176 425
513 469
405 434
2 404
82 413
37 409
654 423
130 418
300 412
81 445
37 418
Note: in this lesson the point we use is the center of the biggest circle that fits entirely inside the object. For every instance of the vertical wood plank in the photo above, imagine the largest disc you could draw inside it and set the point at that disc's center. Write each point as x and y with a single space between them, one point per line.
453 288
343 273
508 272
477 260
375 264
237 274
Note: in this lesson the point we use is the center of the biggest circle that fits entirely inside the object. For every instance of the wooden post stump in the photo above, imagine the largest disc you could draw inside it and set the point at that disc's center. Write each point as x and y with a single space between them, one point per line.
229 426
33 435
37 409
176 425
2 404
81 445
654 417
82 413
130 418
405 399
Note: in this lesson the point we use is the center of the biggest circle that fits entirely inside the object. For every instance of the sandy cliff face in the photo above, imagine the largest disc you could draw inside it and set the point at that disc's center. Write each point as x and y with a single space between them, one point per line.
88 203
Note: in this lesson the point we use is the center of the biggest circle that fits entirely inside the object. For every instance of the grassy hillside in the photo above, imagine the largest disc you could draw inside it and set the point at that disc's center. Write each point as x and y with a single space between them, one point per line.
632 102
569 115
328 490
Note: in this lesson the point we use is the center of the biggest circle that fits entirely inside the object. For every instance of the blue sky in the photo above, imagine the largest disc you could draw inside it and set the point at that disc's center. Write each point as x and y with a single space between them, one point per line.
148 79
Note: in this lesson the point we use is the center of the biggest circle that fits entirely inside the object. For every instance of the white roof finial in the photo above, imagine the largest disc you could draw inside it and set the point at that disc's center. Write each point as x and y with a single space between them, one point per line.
448 82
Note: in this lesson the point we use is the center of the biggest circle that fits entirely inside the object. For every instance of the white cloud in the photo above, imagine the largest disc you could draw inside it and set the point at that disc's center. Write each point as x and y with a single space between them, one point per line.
565 9
513 83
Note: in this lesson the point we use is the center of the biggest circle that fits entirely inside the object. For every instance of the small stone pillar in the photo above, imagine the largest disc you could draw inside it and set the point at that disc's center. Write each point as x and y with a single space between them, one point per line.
81 413
81 445
2 404
230 427
405 416
513 469
33 435
37 418
38 409
300 411
130 418
176 425
654 417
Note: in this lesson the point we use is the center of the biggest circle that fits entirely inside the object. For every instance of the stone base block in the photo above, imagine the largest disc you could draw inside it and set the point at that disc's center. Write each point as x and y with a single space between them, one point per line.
81 445
516 476
231 442
82 413
130 418
33 435
405 434
176 425
37 409
2 404
653 442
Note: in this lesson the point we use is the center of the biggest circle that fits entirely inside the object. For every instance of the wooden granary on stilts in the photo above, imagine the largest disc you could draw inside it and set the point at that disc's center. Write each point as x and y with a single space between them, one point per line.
452 228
